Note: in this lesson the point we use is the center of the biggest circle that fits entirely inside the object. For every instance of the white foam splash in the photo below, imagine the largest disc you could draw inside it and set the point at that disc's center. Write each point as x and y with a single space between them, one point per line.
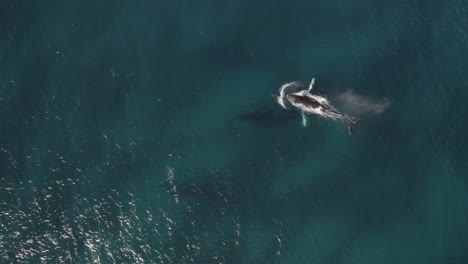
285 89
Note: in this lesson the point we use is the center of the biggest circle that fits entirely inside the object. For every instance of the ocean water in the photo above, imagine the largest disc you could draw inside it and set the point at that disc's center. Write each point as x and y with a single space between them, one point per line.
148 132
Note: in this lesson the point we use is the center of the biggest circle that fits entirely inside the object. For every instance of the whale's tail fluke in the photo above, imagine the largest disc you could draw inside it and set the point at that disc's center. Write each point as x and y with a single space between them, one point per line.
352 121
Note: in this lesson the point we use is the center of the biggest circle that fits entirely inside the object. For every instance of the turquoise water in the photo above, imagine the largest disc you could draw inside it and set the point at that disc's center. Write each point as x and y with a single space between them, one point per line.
147 132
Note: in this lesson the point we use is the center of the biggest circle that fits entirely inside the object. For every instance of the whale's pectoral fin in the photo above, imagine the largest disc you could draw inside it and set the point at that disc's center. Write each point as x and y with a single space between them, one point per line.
311 85
304 119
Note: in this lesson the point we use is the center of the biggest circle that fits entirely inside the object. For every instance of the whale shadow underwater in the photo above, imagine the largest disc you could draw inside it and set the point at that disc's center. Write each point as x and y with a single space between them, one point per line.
267 115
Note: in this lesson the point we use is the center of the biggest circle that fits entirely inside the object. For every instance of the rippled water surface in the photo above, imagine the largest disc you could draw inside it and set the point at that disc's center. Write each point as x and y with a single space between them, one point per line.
148 132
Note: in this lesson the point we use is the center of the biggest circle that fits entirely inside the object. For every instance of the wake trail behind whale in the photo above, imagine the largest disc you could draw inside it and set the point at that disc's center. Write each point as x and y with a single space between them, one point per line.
356 104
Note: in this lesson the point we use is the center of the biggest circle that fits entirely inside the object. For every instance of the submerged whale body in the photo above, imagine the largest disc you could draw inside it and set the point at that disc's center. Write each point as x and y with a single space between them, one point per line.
267 116
308 103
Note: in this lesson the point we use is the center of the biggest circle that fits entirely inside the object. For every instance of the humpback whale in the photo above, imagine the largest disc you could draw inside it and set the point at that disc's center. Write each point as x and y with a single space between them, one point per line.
308 103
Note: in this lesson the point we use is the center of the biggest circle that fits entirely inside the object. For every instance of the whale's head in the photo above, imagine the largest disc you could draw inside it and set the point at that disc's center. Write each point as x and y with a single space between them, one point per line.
295 99
286 89
302 101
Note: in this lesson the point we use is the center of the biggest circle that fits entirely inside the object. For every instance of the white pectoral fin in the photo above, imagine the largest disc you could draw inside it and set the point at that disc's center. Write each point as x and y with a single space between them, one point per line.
311 85
304 119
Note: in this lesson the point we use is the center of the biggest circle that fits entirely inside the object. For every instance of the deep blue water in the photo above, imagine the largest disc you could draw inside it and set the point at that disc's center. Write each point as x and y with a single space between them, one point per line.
148 132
